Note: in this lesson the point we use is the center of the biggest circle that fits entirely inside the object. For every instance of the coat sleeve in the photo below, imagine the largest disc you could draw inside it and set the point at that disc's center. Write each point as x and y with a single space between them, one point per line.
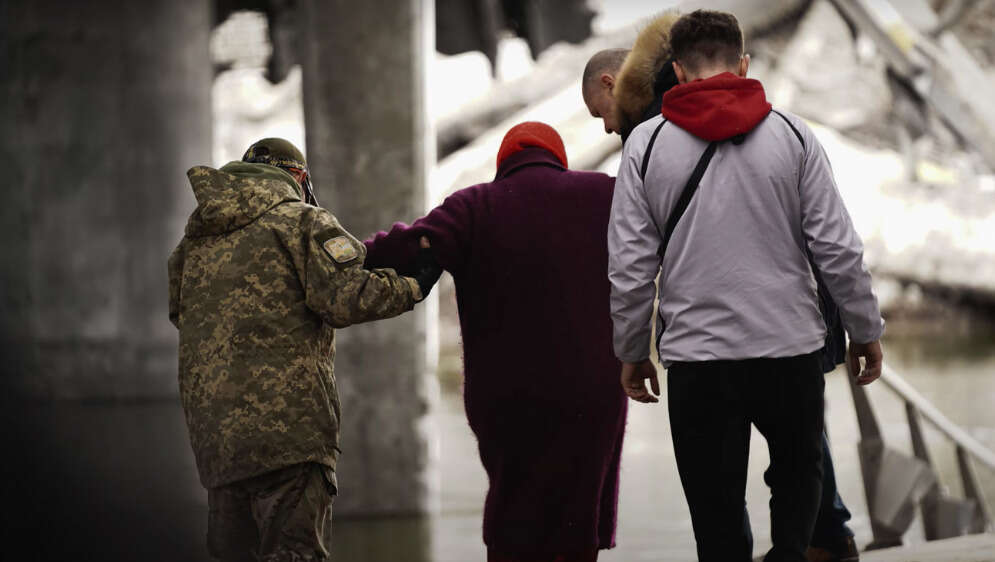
448 228
337 286
836 247
175 267
633 261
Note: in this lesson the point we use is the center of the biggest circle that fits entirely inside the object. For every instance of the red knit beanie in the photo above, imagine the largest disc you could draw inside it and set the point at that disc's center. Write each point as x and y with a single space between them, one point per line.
532 133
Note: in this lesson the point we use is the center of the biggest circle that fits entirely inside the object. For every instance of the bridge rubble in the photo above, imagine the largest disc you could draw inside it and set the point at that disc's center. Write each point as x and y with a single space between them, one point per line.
896 107
916 174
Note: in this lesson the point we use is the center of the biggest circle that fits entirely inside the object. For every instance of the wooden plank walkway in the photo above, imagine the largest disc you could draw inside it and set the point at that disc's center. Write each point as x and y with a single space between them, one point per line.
970 548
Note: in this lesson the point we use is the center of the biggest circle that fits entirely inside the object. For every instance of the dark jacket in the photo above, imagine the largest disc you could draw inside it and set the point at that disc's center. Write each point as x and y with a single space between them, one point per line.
529 257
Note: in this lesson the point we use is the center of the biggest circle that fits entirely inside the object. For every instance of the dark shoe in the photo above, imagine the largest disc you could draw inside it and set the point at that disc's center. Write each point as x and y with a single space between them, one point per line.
843 551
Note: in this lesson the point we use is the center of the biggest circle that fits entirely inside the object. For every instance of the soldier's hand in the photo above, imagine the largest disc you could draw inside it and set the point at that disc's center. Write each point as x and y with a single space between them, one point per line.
873 358
427 269
634 377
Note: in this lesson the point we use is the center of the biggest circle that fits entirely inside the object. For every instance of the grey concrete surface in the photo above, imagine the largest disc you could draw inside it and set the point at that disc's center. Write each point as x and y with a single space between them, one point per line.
971 548
366 129
105 105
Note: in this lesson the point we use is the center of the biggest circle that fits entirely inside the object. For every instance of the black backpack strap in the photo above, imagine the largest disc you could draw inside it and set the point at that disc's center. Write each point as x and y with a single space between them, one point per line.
689 190
834 348
682 204
649 150
793 128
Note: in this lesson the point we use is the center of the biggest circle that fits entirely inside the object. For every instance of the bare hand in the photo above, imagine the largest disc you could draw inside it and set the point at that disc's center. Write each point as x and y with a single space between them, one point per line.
871 352
423 242
634 377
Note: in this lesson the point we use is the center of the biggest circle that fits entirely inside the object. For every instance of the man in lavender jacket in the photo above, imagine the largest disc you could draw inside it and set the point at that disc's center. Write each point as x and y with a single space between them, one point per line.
529 259
737 288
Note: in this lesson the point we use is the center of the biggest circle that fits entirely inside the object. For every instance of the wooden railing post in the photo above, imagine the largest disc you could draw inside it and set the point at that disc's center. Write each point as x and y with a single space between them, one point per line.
870 452
982 518
930 504
893 483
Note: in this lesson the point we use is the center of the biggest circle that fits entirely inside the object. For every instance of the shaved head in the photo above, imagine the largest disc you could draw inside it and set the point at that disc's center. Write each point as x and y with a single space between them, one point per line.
597 84
607 61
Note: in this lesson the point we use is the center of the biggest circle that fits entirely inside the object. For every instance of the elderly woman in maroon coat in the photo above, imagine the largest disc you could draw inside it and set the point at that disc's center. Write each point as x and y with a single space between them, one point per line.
529 258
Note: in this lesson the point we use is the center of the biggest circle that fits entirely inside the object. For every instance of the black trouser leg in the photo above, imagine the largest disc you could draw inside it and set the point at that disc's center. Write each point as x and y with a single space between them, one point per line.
711 444
830 525
786 405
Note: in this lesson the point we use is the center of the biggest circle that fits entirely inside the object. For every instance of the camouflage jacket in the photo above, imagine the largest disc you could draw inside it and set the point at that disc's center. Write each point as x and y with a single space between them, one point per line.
256 287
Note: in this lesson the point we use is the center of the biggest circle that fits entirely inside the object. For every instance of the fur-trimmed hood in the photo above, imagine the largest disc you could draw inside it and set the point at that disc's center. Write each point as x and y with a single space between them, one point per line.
646 74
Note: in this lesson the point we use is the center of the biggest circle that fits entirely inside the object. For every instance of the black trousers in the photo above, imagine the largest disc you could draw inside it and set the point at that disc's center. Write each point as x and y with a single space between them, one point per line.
712 404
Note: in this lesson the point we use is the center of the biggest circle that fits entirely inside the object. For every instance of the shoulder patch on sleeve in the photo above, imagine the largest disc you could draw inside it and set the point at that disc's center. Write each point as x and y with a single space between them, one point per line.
340 249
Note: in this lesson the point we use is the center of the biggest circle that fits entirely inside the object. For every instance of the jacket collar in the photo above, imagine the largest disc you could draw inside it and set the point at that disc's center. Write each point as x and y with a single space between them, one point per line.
531 156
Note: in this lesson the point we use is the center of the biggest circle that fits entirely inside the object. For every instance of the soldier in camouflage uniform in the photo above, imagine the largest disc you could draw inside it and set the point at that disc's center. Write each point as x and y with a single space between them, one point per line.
256 287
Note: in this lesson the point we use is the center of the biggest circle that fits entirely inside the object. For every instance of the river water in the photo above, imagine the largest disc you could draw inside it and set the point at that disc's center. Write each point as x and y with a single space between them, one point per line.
956 372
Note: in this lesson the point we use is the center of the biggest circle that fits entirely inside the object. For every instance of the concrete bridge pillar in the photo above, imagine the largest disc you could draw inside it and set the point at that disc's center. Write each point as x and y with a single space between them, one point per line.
103 106
369 151
106 104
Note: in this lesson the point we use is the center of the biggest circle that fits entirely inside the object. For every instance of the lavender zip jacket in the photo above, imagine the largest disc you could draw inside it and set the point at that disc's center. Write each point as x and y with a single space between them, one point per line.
735 281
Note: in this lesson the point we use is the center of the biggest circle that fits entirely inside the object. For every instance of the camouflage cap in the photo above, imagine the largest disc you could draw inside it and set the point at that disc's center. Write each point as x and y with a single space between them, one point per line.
283 154
275 152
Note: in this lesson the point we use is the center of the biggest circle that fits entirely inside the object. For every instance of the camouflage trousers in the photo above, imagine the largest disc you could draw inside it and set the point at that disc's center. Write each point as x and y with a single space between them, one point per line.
280 516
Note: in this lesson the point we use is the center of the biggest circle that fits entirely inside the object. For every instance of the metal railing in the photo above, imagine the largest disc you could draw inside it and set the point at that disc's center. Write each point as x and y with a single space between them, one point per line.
896 485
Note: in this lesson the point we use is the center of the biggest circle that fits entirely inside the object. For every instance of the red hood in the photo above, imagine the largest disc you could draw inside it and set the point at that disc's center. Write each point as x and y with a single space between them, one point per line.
717 108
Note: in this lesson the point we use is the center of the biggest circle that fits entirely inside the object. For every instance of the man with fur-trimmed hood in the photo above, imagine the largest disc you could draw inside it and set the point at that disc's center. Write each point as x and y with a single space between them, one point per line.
625 87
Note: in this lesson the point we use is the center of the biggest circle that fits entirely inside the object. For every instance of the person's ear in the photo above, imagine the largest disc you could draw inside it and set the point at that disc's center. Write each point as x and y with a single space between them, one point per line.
682 77
744 65
608 81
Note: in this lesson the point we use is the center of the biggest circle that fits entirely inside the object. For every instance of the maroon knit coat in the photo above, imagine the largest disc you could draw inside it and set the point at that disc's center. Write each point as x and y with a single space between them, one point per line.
528 254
